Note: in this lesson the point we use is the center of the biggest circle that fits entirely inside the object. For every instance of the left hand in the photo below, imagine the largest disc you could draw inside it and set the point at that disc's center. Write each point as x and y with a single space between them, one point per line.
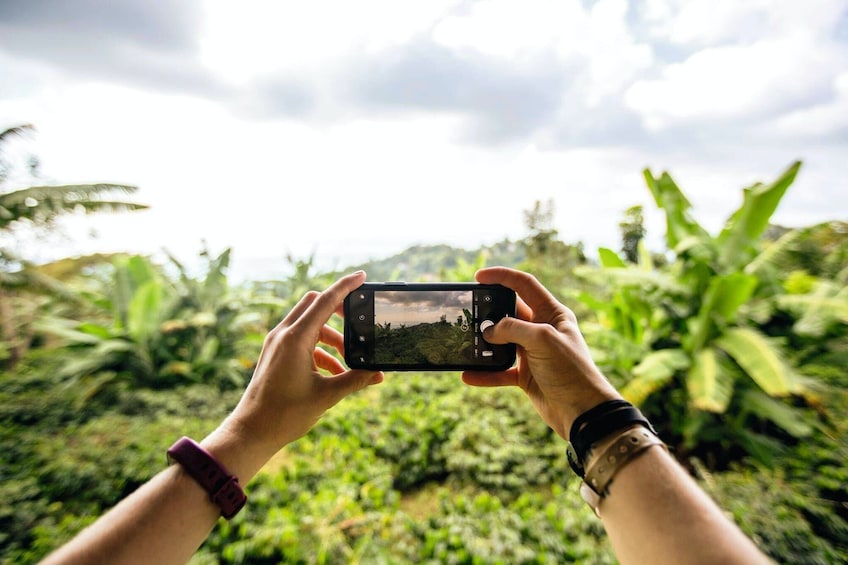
288 393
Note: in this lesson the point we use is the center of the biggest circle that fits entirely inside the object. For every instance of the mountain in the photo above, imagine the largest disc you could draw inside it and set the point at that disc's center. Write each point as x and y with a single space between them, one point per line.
429 262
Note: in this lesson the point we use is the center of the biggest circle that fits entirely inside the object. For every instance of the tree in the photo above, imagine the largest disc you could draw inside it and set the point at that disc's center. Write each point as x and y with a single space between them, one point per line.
37 206
549 258
42 204
632 232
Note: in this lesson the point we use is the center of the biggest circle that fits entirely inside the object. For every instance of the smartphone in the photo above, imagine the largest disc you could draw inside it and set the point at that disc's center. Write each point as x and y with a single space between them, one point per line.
396 326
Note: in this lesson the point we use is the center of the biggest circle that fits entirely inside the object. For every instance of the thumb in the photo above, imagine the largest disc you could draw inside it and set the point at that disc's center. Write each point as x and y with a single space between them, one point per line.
345 384
510 330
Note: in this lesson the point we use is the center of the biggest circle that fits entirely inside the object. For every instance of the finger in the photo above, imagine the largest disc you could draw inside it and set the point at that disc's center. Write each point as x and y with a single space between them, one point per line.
348 382
531 291
327 361
297 311
332 337
522 310
317 314
487 379
512 330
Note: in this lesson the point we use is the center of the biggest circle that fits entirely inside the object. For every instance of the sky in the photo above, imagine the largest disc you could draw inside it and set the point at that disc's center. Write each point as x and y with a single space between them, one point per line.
347 131
411 308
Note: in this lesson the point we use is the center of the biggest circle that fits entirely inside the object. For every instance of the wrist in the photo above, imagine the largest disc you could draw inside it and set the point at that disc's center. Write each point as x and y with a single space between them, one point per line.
580 404
597 425
238 451
220 484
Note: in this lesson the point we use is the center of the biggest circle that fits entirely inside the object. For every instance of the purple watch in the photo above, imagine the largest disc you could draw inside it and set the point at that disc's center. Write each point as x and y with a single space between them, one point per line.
223 488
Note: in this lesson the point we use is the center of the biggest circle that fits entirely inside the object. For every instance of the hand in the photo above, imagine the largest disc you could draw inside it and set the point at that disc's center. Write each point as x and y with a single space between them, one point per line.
555 368
288 393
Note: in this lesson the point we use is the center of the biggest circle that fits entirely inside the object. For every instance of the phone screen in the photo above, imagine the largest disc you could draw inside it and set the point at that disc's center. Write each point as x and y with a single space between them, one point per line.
426 326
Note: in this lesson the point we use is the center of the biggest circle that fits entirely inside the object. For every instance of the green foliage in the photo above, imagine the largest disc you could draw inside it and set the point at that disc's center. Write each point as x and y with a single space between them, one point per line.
789 521
392 486
737 348
153 331
23 286
62 466
687 332
419 469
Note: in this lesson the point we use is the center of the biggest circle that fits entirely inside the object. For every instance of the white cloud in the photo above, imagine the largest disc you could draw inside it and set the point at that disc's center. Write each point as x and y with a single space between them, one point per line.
380 124
500 28
253 38
710 22
819 121
744 82
595 41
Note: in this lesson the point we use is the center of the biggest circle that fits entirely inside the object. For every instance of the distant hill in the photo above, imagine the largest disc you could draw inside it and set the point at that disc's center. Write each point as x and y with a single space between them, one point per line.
427 262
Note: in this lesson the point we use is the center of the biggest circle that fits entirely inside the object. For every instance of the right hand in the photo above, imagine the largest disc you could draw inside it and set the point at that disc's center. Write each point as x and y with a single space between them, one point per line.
555 368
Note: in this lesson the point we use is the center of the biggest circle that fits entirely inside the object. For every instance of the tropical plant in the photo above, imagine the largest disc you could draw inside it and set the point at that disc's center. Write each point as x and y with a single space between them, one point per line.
680 339
154 332
37 206
216 329
121 343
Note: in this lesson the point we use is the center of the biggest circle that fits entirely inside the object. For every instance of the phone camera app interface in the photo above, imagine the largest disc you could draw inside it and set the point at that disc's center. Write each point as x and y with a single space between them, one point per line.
424 327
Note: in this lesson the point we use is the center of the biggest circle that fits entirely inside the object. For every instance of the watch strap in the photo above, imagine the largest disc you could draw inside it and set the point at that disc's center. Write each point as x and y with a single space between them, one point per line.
627 447
223 487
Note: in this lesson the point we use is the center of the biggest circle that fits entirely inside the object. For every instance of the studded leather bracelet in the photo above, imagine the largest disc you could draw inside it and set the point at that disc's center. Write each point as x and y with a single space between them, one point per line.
623 450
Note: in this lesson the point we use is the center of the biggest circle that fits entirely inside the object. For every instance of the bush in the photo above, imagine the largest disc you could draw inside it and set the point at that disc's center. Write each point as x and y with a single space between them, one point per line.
419 469
63 467
779 515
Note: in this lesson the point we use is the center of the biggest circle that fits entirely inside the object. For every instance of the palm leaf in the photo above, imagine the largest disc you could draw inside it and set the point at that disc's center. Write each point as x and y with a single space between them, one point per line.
748 223
16 130
670 199
655 370
100 357
710 386
723 298
144 311
69 330
787 418
760 360
818 312
44 203
67 192
775 252
610 258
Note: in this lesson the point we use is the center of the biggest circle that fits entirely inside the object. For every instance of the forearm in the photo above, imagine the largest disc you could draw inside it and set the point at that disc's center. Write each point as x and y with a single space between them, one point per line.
166 519
655 513
135 531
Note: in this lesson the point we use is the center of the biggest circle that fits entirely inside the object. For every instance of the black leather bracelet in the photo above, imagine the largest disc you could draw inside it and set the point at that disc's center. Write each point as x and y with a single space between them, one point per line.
592 413
597 423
